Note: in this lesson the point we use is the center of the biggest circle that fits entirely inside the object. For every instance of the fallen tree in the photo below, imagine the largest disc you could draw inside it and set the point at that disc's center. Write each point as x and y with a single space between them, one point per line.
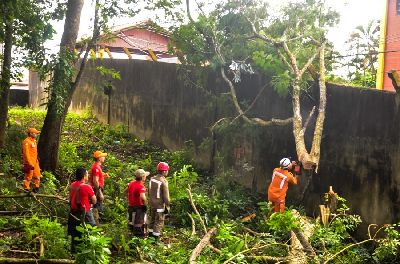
33 195
36 261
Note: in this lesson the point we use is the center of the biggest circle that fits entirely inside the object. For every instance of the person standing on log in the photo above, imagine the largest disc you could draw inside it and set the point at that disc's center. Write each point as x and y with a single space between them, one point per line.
281 177
97 177
81 198
30 160
159 200
137 203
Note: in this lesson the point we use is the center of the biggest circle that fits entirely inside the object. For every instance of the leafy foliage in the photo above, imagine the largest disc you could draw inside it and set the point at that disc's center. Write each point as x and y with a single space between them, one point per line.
388 249
93 246
51 232
220 202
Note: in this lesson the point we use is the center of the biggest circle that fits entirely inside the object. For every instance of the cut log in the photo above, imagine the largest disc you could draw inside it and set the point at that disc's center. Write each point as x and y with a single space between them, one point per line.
301 250
268 258
202 244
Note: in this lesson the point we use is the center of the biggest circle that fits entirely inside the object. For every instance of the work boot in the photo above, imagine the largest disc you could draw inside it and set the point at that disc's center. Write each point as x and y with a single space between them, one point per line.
96 216
35 190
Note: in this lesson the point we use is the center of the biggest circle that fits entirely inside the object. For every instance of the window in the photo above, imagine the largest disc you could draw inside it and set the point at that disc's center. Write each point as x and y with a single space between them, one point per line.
398 7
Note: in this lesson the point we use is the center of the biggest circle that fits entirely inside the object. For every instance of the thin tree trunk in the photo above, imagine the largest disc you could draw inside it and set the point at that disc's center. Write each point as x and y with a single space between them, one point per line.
5 82
298 131
319 125
49 141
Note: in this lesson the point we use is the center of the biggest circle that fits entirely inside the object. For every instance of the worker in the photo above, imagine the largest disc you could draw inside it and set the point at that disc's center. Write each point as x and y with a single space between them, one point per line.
81 198
159 200
281 177
137 203
30 160
97 177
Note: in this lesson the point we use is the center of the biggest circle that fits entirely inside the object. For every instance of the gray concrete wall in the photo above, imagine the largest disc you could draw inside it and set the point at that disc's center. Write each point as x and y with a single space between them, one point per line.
360 147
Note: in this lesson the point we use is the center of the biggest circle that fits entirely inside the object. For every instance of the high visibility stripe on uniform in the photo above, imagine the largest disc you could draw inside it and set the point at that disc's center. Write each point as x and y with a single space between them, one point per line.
158 188
283 176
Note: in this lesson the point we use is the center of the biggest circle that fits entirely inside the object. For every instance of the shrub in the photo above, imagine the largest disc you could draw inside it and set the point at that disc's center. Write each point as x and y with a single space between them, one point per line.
93 246
52 234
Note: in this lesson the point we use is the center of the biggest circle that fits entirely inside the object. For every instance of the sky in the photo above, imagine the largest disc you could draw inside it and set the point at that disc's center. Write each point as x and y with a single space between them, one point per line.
353 13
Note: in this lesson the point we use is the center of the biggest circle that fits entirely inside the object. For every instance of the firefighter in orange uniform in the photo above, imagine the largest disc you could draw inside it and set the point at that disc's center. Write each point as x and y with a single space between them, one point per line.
31 164
281 177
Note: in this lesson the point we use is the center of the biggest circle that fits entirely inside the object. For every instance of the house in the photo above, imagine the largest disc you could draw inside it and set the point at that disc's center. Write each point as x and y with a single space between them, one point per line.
389 46
19 90
143 40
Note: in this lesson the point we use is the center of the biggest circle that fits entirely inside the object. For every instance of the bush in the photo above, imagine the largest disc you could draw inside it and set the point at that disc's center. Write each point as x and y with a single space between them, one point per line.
93 246
52 234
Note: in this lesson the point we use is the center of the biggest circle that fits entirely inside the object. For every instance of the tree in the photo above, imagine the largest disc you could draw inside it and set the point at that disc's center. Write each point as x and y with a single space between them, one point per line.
292 40
66 77
6 14
24 26
60 88
364 44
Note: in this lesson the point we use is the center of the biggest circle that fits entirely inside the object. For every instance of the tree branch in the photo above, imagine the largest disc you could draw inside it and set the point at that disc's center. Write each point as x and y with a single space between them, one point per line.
308 119
256 233
91 44
283 58
253 103
195 209
251 249
202 244
255 121
293 60
35 261
193 225
346 248
31 195
263 37
311 59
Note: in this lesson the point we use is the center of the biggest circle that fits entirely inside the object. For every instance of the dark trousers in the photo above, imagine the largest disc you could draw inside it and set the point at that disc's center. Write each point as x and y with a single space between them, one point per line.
76 218
137 220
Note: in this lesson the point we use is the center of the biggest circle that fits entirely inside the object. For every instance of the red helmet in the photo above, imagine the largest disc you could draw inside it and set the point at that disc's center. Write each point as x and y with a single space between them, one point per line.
162 166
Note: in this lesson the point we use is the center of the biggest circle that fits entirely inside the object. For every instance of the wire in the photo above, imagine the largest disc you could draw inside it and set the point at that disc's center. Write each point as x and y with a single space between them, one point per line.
363 54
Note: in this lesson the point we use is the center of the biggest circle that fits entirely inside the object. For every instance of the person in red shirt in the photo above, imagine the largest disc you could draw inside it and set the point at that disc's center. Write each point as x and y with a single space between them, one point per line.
137 203
81 196
281 177
97 177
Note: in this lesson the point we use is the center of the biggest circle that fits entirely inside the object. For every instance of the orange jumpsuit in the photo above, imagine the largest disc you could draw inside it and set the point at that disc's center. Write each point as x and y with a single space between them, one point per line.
278 188
29 156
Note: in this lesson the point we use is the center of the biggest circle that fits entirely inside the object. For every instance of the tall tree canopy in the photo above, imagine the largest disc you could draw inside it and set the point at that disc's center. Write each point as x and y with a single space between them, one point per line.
238 36
24 27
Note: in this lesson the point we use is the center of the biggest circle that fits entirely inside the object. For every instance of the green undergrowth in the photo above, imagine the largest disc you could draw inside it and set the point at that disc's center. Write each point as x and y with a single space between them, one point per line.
245 228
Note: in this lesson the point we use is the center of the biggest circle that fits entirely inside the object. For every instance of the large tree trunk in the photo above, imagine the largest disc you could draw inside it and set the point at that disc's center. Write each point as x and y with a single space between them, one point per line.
5 81
49 141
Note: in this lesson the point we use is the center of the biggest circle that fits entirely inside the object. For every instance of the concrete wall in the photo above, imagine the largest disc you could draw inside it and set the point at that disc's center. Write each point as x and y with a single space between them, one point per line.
18 97
360 147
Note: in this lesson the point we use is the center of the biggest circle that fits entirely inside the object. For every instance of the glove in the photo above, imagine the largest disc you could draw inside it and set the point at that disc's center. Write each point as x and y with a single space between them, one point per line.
27 168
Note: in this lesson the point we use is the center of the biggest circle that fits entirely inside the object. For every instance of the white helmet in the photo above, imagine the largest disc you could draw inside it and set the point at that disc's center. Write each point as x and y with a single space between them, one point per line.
285 162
